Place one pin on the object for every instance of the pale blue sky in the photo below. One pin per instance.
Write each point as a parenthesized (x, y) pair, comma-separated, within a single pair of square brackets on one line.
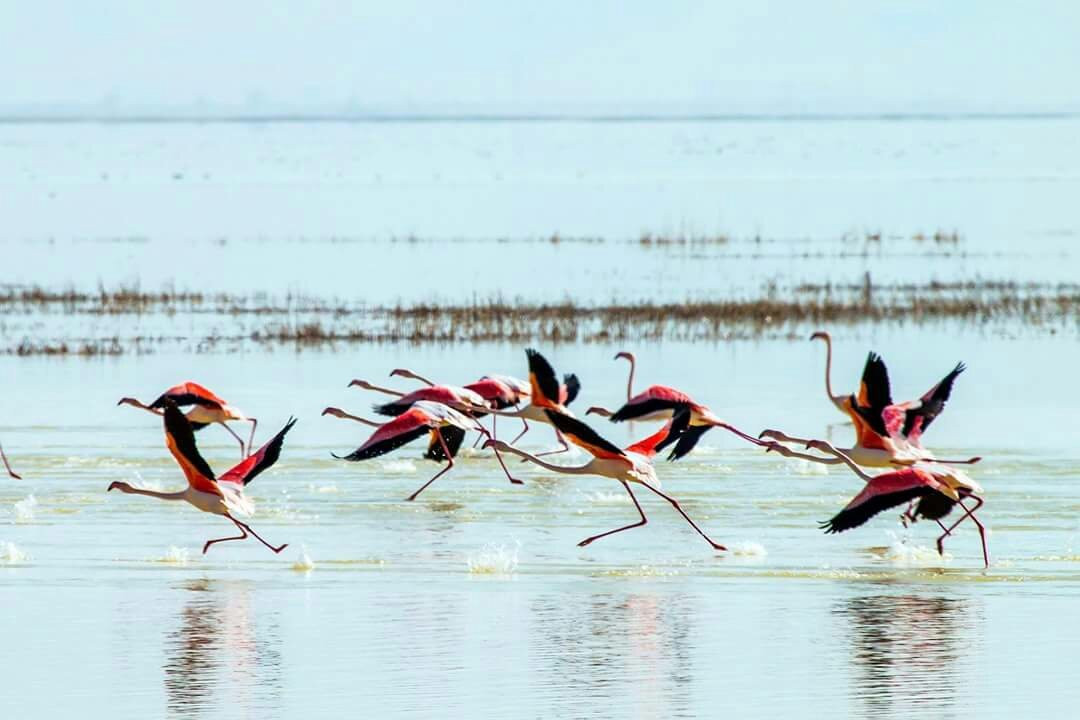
[(797, 56)]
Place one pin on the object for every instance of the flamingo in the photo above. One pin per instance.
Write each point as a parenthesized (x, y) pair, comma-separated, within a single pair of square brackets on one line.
[(452, 435), (208, 409), (500, 391), (660, 402), (839, 401), (222, 495), (886, 434), (936, 488), (422, 418), (632, 465), (546, 393), (10, 472)]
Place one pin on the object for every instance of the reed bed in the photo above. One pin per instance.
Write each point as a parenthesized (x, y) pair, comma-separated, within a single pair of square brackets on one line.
[(234, 321)]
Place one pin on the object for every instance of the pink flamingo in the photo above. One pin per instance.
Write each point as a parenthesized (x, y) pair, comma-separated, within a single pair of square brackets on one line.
[(220, 496), (935, 489), (886, 434), (546, 393), (7, 466), (660, 402), (632, 465), (208, 409), (422, 418)]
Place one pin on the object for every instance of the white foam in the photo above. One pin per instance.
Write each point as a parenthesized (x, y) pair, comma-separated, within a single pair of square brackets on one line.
[(303, 563), (903, 553), (10, 554), (24, 509), (747, 549), (175, 556), (798, 466), (398, 467), (493, 559), (608, 498)]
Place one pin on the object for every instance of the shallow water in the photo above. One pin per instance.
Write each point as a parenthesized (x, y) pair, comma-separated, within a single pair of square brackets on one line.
[(474, 600)]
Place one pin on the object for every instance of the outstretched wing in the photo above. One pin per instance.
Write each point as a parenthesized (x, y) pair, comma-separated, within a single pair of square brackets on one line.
[(584, 436), (653, 399), (650, 445), (189, 393), (874, 394), (930, 405), (545, 386), (180, 439), (881, 493), (400, 431), (250, 467)]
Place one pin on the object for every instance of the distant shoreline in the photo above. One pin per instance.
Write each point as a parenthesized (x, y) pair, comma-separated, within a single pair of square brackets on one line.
[(72, 118)]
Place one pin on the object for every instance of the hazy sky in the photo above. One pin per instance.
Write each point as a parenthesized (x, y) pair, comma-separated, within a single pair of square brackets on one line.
[(746, 56)]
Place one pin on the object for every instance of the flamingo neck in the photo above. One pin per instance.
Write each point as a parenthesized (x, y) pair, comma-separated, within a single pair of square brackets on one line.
[(414, 376), (630, 379), (573, 470), (180, 495), (385, 391), (849, 462), (828, 367), (135, 403)]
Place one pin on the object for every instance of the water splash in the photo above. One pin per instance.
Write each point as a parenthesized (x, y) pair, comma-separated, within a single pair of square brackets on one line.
[(398, 467), (11, 554), (175, 556), (748, 549), (902, 553), (494, 559), (303, 562), (24, 509), (608, 498), (797, 466)]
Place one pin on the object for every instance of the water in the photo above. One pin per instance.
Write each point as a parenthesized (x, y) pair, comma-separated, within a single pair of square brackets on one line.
[(475, 600)]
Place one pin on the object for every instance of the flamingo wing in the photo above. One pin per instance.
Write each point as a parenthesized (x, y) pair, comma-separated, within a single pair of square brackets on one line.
[(650, 445), (189, 393), (454, 437), (569, 390), (584, 436), (180, 439), (653, 399), (918, 417), (885, 491), (400, 431), (875, 395), (544, 384), (494, 391), (249, 468)]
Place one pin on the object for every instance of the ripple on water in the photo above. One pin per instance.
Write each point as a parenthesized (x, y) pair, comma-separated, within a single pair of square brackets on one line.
[(174, 556)]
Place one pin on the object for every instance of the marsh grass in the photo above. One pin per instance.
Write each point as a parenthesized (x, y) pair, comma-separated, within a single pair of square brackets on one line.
[(308, 322)]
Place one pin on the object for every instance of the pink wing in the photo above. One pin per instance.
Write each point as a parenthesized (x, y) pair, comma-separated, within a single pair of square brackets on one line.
[(647, 447), (247, 469)]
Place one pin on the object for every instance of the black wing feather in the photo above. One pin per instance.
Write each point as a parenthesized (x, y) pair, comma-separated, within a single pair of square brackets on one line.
[(935, 403), (679, 424), (388, 445), (573, 426), (573, 387), (631, 411), (270, 452), (687, 441), (453, 435), (545, 375), (391, 409), (180, 429), (183, 400), (858, 515)]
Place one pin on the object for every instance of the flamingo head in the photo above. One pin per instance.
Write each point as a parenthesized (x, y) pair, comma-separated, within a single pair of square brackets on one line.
[(597, 410), (402, 372), (129, 401), (625, 355), (360, 383), (336, 412), (821, 335), (117, 485), (494, 444)]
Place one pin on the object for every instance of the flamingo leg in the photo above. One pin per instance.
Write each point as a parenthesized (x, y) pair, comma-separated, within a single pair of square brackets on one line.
[(523, 431), (238, 438), (11, 472), (675, 504), (449, 464), (562, 441), (968, 513), (641, 512), (498, 457), (749, 438), (242, 536), (251, 438), (247, 528)]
